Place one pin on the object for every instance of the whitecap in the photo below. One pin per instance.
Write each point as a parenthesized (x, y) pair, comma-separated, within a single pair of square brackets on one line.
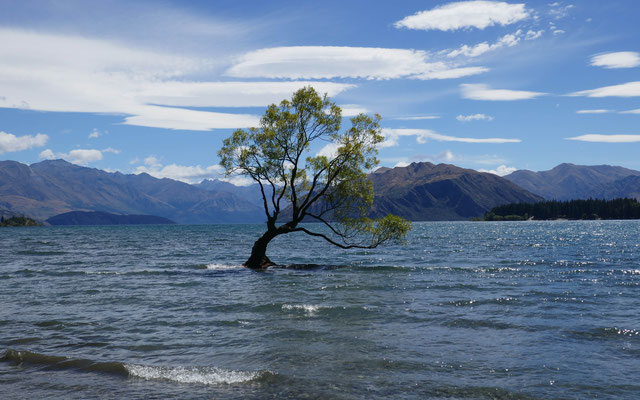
[(221, 267), (201, 375), (309, 309)]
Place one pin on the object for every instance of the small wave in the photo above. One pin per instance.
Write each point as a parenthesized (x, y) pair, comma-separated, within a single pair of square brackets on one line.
[(218, 267), (612, 332), (309, 309), (473, 303), (200, 375)]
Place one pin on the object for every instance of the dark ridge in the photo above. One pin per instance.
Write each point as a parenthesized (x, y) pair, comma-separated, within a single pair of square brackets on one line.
[(103, 218), (16, 357)]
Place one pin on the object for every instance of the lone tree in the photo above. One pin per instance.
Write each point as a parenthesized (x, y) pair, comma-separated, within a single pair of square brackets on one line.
[(330, 188)]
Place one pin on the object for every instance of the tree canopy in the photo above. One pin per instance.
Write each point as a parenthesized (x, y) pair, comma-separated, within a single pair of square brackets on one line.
[(330, 188)]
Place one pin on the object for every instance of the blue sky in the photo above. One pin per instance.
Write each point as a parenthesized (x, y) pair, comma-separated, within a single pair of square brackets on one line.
[(156, 86)]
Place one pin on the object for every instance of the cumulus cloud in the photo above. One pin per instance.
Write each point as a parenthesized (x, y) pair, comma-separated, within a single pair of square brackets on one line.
[(474, 117), (532, 35), (484, 92), (597, 111), (621, 59), (188, 173), (508, 40), (392, 137), (558, 10), (465, 14), (10, 142), (629, 89), (95, 134), (502, 170), (326, 62), (76, 156), (595, 138), (49, 72), (330, 150)]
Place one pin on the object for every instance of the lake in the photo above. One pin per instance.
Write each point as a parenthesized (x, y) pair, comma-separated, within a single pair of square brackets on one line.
[(489, 310)]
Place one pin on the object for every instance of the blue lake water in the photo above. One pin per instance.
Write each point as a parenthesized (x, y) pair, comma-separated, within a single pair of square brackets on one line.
[(519, 310)]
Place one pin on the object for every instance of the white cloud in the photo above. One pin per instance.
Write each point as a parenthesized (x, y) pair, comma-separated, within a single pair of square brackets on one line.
[(629, 89), (392, 137), (351, 110), (229, 94), (417, 118), (111, 150), (76, 156), (10, 142), (330, 150), (502, 170), (188, 173), (621, 59), (558, 32), (465, 14), (326, 62), (49, 72), (559, 11), (607, 138), (180, 118), (598, 111), (636, 111), (474, 117), (508, 40), (532, 35), (483, 92), (184, 173), (95, 134)]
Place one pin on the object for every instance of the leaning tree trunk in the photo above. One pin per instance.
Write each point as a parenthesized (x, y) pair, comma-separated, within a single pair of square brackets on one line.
[(259, 259)]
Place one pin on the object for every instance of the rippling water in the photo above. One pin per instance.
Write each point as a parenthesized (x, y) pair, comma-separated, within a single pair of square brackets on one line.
[(519, 310)]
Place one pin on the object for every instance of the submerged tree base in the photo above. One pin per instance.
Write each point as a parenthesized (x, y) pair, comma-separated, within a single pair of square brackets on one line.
[(259, 263)]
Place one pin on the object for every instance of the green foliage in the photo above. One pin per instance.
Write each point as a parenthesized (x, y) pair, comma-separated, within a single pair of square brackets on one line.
[(331, 187), (574, 209), (18, 221)]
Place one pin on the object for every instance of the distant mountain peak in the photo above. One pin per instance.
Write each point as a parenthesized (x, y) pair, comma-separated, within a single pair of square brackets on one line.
[(569, 181)]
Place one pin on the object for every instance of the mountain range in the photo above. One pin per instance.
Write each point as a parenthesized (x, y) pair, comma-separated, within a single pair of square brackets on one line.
[(572, 182), (427, 192), (48, 188), (420, 191)]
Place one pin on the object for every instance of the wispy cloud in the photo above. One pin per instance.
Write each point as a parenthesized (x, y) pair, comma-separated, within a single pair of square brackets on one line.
[(327, 62), (559, 10), (629, 89), (596, 138), (351, 110), (621, 59), (10, 142), (636, 111), (484, 92), (417, 118), (50, 72), (597, 111), (508, 40), (465, 14), (392, 137), (474, 117)]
